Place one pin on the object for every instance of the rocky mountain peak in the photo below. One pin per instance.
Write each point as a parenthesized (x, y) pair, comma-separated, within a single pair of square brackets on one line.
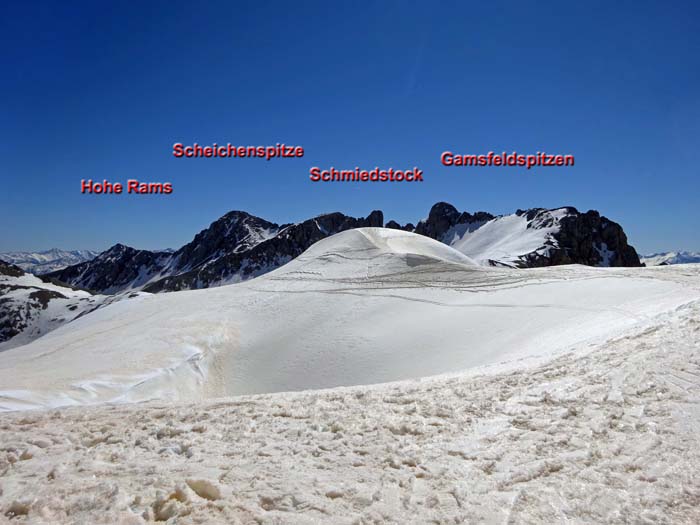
[(441, 218), (235, 231), (10, 270), (589, 238), (116, 249), (240, 246)]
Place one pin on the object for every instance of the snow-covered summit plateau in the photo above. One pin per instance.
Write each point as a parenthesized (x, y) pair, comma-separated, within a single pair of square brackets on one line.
[(368, 305), (563, 394)]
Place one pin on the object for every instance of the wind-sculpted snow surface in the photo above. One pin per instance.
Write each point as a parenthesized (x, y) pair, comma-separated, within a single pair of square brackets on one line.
[(365, 306), (602, 434)]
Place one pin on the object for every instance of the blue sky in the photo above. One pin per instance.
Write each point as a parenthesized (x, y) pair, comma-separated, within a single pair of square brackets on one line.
[(102, 92)]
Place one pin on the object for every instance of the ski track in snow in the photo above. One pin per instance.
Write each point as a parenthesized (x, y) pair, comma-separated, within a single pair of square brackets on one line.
[(611, 435), (567, 395), (365, 306)]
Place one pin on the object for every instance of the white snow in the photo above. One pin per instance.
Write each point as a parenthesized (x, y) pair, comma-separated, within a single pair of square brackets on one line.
[(364, 306), (18, 303), (48, 260), (505, 239), (607, 434), (564, 395)]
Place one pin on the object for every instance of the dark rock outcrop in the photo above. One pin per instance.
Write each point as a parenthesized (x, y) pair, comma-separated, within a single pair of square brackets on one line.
[(441, 218), (578, 238), (240, 246), (236, 247), (118, 268), (10, 270), (290, 242), (236, 231), (585, 238), (444, 216), (393, 225)]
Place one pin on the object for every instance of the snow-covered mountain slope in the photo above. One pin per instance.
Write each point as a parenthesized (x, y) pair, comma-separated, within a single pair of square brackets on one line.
[(236, 247), (119, 269), (531, 238), (31, 306), (272, 248), (508, 239), (240, 246), (365, 306), (47, 261), (663, 258)]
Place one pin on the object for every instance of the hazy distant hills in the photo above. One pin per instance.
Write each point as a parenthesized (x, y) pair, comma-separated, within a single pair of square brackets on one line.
[(47, 261), (664, 258)]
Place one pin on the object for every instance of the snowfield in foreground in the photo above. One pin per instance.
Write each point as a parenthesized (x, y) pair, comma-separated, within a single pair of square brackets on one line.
[(609, 434), (558, 395)]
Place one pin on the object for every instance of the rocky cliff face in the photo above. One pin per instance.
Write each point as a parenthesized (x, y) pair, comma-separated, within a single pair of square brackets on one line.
[(117, 269), (268, 253), (10, 270), (235, 232), (443, 217), (12, 319), (240, 246), (531, 238), (393, 225), (591, 239), (236, 247)]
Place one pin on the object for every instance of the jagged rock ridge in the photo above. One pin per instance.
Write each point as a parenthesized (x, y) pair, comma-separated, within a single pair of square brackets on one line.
[(236, 247), (240, 246), (531, 238)]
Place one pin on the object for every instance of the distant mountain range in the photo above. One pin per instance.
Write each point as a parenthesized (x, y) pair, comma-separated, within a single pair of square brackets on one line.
[(664, 258), (240, 246), (47, 261)]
